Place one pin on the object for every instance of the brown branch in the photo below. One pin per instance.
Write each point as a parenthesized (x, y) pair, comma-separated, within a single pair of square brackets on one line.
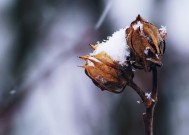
[(138, 90), (148, 120), (148, 102), (155, 84), (148, 116)]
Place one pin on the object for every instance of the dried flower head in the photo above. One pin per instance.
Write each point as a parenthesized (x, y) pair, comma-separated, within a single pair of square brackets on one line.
[(107, 66), (146, 42), (112, 63), (105, 73)]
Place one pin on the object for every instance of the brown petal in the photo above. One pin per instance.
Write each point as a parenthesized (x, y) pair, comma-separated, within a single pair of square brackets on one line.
[(93, 46), (146, 37), (129, 32), (152, 32), (104, 77), (137, 43), (104, 58)]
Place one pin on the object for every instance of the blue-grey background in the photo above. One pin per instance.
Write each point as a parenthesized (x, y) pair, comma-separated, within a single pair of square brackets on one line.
[(43, 92)]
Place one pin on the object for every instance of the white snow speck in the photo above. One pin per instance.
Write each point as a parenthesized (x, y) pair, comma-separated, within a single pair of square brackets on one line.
[(138, 102), (163, 30), (162, 33), (157, 56), (138, 25), (146, 51), (148, 95), (89, 63), (12, 92), (133, 70), (102, 80), (115, 47)]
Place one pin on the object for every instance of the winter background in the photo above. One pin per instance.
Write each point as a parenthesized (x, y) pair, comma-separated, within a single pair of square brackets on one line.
[(43, 92)]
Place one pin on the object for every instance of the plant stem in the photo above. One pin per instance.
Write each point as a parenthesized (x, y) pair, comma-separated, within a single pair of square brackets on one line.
[(155, 84), (138, 90), (148, 116), (148, 120), (148, 102)]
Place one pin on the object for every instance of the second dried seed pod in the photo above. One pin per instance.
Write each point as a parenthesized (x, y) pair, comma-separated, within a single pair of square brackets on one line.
[(146, 43)]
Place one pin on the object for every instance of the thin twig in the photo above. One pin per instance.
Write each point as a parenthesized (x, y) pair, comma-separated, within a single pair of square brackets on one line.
[(148, 120), (148, 116), (155, 84), (148, 102), (138, 90)]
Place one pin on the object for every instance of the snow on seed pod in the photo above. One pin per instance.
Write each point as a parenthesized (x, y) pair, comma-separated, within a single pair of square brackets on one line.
[(146, 42), (111, 64), (107, 66)]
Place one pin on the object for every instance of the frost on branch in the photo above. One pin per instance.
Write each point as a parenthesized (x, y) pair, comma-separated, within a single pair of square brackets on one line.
[(148, 95)]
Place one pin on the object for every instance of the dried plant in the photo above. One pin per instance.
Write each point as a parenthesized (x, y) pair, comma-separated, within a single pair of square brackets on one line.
[(112, 64)]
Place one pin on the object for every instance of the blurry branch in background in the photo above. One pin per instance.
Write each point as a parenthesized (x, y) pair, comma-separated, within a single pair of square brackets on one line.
[(103, 15), (18, 92), (25, 20), (27, 17)]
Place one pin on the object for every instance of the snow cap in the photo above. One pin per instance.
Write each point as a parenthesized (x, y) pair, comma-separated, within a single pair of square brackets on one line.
[(115, 46)]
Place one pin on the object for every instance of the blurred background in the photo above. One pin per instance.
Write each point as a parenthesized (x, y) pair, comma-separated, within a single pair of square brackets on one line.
[(43, 92)]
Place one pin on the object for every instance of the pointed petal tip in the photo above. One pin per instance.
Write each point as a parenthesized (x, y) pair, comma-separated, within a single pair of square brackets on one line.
[(81, 66), (93, 46), (84, 57), (139, 18)]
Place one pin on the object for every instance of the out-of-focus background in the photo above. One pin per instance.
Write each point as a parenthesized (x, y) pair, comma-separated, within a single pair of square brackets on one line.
[(43, 92)]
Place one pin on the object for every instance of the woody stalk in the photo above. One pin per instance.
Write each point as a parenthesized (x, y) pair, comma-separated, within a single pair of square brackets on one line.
[(111, 65)]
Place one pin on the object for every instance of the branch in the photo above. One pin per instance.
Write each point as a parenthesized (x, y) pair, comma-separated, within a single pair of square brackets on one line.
[(155, 84), (138, 90), (148, 102), (148, 116)]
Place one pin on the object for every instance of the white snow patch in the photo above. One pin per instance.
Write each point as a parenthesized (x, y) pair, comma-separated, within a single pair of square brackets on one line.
[(163, 30), (148, 95), (157, 56), (94, 59), (162, 33), (90, 63), (146, 51), (138, 25), (138, 102), (115, 47)]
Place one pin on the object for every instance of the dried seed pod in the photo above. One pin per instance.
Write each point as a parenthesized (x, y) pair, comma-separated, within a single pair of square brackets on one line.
[(111, 64), (106, 73), (107, 66), (146, 43)]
